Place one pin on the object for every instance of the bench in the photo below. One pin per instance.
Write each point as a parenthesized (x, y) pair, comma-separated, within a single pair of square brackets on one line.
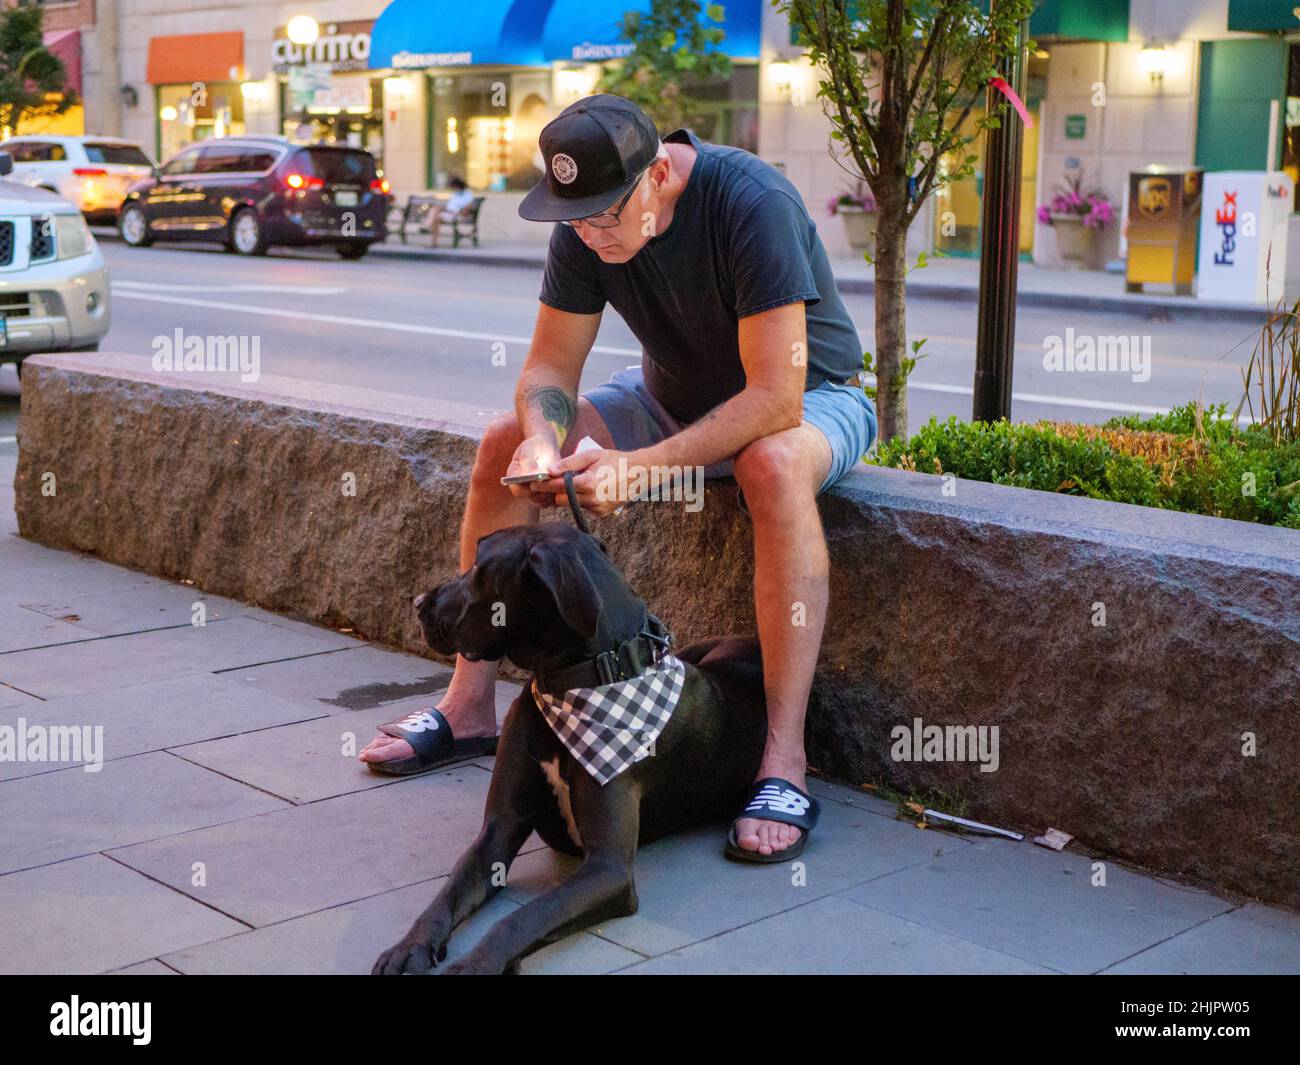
[(419, 210)]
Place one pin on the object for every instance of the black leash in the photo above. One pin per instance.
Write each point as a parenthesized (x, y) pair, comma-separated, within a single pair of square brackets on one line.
[(579, 518)]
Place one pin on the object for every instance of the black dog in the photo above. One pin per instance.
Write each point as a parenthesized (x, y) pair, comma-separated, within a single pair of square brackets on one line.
[(548, 597)]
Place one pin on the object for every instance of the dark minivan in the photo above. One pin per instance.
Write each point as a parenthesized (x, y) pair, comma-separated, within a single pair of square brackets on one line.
[(254, 192)]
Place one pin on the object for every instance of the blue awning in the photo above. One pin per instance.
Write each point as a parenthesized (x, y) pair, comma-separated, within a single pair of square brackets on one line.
[(589, 31), (413, 34)]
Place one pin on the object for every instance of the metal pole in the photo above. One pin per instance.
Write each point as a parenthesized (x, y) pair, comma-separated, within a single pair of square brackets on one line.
[(995, 335)]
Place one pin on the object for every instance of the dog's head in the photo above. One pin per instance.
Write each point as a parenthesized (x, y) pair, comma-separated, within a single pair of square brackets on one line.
[(537, 594)]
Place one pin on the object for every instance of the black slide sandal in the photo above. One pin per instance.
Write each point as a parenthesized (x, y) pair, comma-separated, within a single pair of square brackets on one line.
[(775, 799), (429, 734)]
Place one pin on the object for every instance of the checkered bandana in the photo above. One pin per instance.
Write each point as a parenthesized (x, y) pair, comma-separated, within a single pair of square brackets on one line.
[(610, 728)]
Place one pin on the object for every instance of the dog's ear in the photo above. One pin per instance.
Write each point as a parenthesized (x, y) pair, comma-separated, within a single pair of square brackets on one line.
[(562, 574)]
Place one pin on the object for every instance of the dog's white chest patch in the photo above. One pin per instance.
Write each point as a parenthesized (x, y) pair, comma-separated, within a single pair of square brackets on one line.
[(561, 790)]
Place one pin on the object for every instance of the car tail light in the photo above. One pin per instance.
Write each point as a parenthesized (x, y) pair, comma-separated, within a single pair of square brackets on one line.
[(87, 171), (304, 181), (380, 185)]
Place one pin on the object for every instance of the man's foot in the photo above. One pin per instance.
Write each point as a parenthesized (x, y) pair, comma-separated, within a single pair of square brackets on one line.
[(467, 721), (770, 837)]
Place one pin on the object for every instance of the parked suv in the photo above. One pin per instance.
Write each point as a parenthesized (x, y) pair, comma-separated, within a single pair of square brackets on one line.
[(255, 192), (92, 172), (53, 281)]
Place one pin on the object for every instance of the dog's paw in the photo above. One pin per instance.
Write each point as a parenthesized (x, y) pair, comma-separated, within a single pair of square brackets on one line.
[(473, 964), (408, 958)]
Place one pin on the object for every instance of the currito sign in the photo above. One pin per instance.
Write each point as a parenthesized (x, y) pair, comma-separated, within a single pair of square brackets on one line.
[(341, 47), (1243, 236)]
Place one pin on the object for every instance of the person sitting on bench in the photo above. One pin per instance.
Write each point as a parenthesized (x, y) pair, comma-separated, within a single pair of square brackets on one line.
[(461, 197)]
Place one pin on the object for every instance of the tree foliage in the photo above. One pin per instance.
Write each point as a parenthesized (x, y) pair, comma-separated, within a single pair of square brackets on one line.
[(900, 82), (675, 57), (33, 81)]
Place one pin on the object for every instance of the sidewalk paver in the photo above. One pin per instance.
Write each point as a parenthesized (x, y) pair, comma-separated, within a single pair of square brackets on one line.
[(1039, 905), (688, 891), (347, 939), (1253, 939), (119, 661), (91, 914), (228, 831), (54, 816), (834, 936), (162, 714), (314, 759), (305, 858)]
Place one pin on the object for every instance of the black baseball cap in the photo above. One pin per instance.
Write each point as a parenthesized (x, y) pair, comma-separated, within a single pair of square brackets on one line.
[(595, 150)]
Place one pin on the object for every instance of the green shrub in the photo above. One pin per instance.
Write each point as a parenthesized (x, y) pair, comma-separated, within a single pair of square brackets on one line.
[(1192, 459)]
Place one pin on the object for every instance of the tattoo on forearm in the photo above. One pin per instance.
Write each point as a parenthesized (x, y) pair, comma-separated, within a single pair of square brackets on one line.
[(557, 407)]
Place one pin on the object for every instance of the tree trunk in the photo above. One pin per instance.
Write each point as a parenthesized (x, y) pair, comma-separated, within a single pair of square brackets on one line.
[(891, 318)]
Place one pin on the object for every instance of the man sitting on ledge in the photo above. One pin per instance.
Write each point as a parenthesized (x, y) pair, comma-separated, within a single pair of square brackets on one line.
[(749, 370)]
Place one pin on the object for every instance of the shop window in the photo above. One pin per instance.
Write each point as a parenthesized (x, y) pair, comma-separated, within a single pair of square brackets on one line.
[(727, 110), (485, 127), (349, 113), (187, 115)]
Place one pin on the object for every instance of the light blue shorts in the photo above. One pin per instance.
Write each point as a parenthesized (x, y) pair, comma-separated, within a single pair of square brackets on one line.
[(843, 414)]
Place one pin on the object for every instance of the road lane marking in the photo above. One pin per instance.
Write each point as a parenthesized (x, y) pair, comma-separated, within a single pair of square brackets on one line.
[(463, 334), (364, 323), (297, 290)]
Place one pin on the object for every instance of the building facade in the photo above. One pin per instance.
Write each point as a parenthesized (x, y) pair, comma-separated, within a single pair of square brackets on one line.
[(443, 88)]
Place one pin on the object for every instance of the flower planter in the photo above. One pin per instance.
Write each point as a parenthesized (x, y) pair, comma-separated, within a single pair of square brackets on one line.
[(860, 228), (1074, 240)]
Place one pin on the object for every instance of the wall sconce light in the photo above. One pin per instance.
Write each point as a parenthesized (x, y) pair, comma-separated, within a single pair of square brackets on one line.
[(1154, 60), (782, 74), (395, 87), (303, 29), (129, 96), (253, 92), (168, 113)]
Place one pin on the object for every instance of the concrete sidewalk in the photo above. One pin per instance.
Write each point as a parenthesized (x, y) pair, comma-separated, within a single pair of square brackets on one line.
[(230, 828)]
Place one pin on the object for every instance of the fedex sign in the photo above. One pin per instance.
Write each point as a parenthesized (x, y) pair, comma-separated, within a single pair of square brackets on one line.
[(1226, 219), (1242, 257)]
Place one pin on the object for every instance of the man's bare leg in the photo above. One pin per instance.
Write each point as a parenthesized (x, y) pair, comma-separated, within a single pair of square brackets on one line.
[(470, 703), (779, 475)]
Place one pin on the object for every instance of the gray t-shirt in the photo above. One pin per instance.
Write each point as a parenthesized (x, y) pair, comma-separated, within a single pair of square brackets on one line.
[(740, 242)]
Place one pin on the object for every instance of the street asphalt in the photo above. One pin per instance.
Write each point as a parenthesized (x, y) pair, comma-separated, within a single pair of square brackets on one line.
[(461, 332)]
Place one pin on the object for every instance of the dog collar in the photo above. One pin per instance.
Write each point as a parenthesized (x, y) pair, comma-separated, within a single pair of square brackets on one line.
[(611, 727), (629, 659)]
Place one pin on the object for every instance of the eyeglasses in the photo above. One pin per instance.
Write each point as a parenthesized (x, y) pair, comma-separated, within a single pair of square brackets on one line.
[(604, 220)]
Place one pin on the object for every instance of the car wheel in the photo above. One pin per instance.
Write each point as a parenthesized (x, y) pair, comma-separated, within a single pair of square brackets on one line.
[(246, 237), (353, 251), (134, 227)]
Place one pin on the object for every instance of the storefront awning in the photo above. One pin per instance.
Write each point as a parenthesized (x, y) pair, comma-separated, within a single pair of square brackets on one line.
[(412, 34), (196, 57), (1262, 15), (1081, 20), (591, 30), (65, 45)]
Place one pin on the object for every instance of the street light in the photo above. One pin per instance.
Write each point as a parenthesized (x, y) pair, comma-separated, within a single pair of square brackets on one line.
[(303, 29)]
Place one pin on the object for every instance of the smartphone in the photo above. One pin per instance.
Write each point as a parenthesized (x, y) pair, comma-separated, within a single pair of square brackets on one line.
[(526, 478)]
